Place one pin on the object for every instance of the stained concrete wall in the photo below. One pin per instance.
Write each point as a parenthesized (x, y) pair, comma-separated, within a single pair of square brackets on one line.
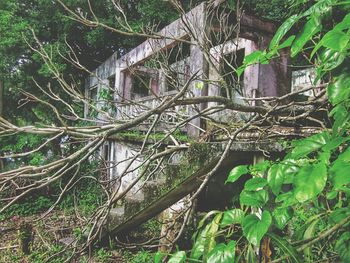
[(259, 80), (121, 161)]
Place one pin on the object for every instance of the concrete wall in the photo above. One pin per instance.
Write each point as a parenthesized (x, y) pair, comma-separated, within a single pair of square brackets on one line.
[(259, 80), (121, 160)]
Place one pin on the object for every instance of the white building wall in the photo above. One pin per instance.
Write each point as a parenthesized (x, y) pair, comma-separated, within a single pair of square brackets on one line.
[(125, 168)]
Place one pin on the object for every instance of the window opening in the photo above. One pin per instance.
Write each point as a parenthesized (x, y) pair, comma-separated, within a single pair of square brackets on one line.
[(111, 82), (140, 86), (230, 62)]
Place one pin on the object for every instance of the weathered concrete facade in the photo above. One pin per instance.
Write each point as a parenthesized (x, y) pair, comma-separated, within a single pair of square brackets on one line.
[(188, 36)]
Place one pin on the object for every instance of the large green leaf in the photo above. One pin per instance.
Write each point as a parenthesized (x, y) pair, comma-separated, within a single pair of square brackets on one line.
[(310, 181), (303, 147), (254, 198), (287, 198), (178, 257), (236, 173), (287, 249), (339, 90), (344, 24), (278, 174), (335, 40), (341, 116), (254, 229), (312, 27), (328, 60), (340, 170), (281, 216), (223, 253), (233, 216), (334, 143), (282, 30), (255, 183)]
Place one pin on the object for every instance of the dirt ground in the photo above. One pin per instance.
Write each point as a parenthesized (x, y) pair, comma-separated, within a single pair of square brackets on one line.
[(44, 237)]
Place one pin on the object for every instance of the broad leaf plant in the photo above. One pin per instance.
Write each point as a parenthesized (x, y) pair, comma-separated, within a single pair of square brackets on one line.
[(295, 209)]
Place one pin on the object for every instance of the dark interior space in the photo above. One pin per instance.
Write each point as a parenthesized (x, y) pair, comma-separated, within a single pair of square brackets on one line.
[(217, 195)]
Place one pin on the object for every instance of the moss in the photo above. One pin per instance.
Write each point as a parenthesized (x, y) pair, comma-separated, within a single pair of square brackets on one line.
[(197, 156), (138, 137)]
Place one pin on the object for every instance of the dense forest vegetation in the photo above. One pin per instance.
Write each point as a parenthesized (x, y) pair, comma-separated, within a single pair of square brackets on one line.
[(299, 203)]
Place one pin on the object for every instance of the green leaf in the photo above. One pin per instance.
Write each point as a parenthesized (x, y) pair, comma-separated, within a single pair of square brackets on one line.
[(345, 155), (332, 194), (310, 181), (158, 257), (236, 173), (275, 178), (223, 253), (287, 43), (339, 90), (178, 257), (206, 239), (251, 255), (199, 85), (254, 57), (260, 167), (209, 214), (240, 70), (335, 40), (284, 197), (286, 248), (281, 216), (339, 173), (254, 198), (334, 143), (279, 173), (282, 30), (254, 229), (328, 60), (344, 24), (321, 7), (303, 147), (255, 183), (343, 247), (339, 214), (309, 233), (312, 27), (341, 116), (233, 216)]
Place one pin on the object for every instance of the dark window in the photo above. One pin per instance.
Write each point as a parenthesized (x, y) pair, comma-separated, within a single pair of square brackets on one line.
[(234, 84), (111, 82), (140, 86), (93, 94)]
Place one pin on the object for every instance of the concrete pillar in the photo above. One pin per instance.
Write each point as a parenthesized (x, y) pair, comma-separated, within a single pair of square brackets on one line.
[(199, 66)]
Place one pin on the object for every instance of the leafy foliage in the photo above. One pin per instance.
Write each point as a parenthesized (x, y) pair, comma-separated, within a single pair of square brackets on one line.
[(305, 195)]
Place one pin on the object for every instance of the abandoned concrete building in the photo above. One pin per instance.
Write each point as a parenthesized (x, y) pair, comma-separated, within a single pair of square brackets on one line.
[(154, 71)]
